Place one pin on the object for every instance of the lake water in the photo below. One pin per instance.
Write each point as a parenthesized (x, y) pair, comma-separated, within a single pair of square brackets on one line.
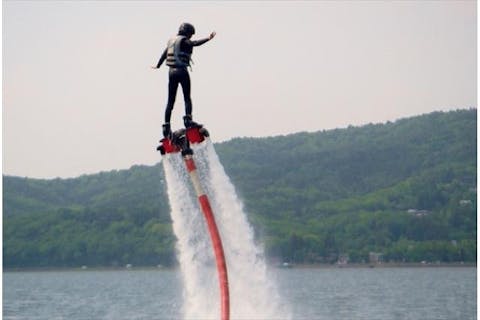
[(330, 294)]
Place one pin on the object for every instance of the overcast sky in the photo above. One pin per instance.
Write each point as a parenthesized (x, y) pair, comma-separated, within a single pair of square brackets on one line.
[(79, 95)]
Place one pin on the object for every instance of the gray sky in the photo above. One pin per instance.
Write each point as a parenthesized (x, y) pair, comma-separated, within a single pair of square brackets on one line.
[(79, 95)]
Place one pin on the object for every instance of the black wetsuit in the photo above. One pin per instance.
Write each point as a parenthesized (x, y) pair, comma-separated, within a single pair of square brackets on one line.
[(179, 75)]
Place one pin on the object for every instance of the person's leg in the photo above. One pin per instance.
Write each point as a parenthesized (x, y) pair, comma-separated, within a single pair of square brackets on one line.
[(172, 92), (186, 87)]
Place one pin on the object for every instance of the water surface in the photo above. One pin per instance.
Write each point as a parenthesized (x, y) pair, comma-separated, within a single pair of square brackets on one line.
[(380, 293)]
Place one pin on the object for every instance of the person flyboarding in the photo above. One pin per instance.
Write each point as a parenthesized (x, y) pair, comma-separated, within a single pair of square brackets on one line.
[(178, 56)]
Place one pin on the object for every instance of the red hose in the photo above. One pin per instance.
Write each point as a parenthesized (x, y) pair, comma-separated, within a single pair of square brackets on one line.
[(215, 237)]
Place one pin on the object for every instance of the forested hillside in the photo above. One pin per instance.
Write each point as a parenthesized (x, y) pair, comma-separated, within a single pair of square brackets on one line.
[(404, 189)]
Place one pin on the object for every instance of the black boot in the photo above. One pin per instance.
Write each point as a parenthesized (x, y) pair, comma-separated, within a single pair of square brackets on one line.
[(189, 123), (167, 132)]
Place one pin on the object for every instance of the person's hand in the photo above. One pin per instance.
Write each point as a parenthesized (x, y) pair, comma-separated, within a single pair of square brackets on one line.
[(155, 67), (212, 35)]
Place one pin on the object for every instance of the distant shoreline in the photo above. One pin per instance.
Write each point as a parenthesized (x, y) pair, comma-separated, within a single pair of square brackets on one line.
[(387, 265), (289, 266)]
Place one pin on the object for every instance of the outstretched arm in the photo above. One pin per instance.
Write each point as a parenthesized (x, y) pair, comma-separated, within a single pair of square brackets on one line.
[(162, 58), (196, 43)]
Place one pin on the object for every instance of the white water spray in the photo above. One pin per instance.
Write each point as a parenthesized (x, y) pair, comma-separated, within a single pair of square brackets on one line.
[(253, 294)]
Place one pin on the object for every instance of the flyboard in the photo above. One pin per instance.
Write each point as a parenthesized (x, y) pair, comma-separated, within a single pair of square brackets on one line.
[(179, 142)]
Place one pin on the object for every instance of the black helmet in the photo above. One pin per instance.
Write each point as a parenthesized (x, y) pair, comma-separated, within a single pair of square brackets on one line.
[(186, 29)]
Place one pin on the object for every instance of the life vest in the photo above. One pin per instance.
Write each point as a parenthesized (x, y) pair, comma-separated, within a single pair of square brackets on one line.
[(175, 56)]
